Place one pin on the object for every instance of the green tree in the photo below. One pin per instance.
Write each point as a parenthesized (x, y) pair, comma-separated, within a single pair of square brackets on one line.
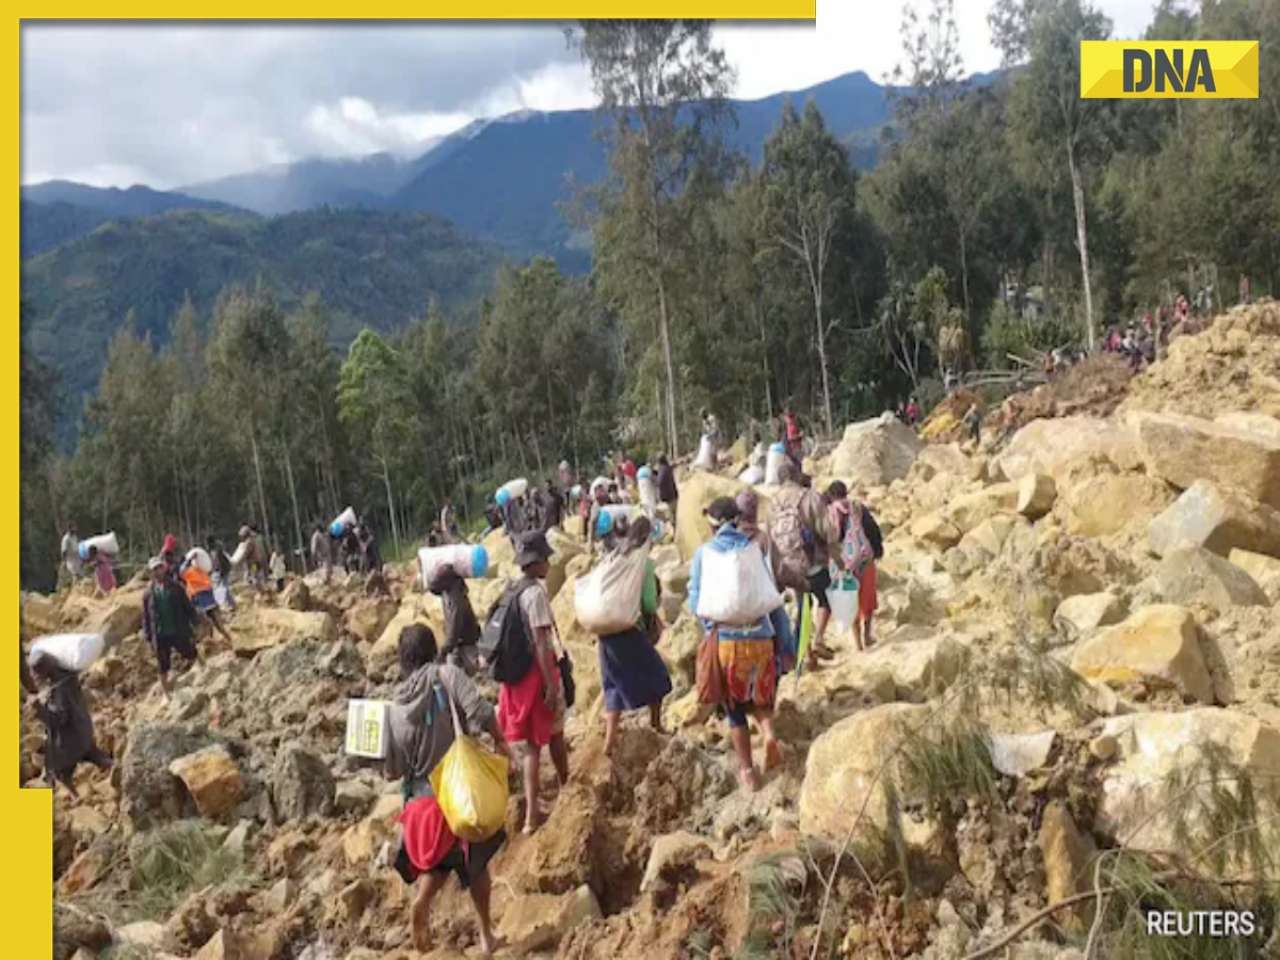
[(809, 199), (376, 405), (1045, 35), (664, 83)]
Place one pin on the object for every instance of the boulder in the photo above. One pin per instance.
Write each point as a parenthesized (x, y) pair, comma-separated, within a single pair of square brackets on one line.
[(369, 617), (670, 853), (90, 868), (967, 511), (498, 545), (679, 649), (145, 936), (1036, 494), (212, 778), (40, 614), (149, 794), (944, 458), (1194, 575), (1018, 754), (1112, 502), (117, 617), (296, 595), (1258, 423), (301, 784), (842, 767), (1217, 518), (696, 494), (352, 796), (1158, 645), (1264, 570), (361, 842), (1067, 852), (1134, 800), (564, 549), (1081, 616), (936, 529), (919, 668), (1046, 446), (75, 928), (1183, 450), (535, 922), (223, 945), (988, 537), (264, 627), (875, 452)]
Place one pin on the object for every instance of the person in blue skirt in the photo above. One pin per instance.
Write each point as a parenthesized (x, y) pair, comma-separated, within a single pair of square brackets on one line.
[(632, 673)]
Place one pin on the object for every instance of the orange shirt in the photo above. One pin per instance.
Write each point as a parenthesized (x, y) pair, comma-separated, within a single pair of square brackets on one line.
[(197, 580)]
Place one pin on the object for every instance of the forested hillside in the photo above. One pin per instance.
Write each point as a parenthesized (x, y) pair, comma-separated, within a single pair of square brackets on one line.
[(369, 268)]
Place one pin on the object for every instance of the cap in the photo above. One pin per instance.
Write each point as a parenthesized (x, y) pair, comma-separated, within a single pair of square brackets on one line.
[(155, 563), (533, 547)]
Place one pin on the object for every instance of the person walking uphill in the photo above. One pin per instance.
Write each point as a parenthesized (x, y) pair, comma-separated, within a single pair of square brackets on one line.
[(199, 587), (860, 547), (421, 732), (167, 620), (69, 736), (71, 561), (518, 643), (461, 629), (632, 673), (800, 533), (745, 654), (322, 552)]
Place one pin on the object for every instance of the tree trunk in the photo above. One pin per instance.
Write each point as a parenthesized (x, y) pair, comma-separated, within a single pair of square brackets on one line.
[(293, 497), (964, 283), (673, 441), (257, 470), (822, 350), (391, 508), (1082, 239)]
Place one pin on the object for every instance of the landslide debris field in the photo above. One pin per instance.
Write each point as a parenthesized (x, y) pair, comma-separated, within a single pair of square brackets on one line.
[(1075, 694)]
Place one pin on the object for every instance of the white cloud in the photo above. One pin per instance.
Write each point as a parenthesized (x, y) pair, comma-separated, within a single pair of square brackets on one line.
[(173, 104)]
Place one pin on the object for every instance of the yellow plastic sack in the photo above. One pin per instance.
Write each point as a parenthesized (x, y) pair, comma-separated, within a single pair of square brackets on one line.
[(470, 785)]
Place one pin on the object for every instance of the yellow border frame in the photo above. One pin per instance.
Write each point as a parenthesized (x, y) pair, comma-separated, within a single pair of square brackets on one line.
[(26, 890)]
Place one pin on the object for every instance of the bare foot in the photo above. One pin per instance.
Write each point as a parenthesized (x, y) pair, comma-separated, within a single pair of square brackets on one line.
[(749, 777), (489, 943), (422, 934)]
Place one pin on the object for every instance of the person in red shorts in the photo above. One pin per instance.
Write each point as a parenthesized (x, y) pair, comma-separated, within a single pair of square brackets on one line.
[(532, 710)]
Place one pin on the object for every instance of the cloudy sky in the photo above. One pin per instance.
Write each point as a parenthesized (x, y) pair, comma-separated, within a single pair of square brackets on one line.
[(168, 105)]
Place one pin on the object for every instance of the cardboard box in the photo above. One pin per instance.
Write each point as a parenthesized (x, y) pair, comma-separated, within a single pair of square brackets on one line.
[(367, 728)]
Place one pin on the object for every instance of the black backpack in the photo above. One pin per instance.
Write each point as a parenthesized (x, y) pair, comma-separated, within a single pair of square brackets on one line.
[(504, 641)]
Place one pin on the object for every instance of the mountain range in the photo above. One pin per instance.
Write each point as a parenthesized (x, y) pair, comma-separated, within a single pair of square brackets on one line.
[(369, 234)]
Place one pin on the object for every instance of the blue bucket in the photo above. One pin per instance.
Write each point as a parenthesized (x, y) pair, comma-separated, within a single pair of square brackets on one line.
[(83, 550), (502, 498), (336, 529), (778, 447), (644, 473), (479, 561)]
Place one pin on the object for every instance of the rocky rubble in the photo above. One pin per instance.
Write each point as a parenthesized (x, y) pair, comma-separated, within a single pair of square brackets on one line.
[(1077, 621)]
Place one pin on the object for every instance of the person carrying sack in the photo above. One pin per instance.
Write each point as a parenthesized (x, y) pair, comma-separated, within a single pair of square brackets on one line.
[(861, 545), (737, 666), (632, 674), (433, 705)]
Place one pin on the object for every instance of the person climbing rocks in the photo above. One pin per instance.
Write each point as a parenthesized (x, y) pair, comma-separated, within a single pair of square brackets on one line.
[(461, 628), (322, 551), (71, 561), (668, 492), (632, 674), (69, 735), (421, 731), (103, 572), (745, 654), (532, 709), (800, 533), (167, 620), (845, 511)]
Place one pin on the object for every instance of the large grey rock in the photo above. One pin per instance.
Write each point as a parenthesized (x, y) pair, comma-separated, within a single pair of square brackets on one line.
[(1158, 645), (1217, 518), (1183, 450), (301, 784), (1194, 575), (149, 794), (1048, 445), (1081, 616), (875, 452)]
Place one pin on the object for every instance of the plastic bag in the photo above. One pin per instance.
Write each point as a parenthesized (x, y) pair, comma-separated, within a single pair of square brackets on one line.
[(776, 457), (71, 651), (607, 600), (470, 784), (199, 557), (752, 476), (737, 586), (843, 597), (706, 458)]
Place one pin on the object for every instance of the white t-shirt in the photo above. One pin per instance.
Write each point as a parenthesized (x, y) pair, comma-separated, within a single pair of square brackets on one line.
[(536, 607)]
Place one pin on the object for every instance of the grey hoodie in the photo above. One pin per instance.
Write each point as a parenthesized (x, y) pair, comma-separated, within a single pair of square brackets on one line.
[(420, 725)]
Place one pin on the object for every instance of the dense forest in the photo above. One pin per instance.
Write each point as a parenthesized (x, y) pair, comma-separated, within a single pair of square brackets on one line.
[(1003, 218)]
